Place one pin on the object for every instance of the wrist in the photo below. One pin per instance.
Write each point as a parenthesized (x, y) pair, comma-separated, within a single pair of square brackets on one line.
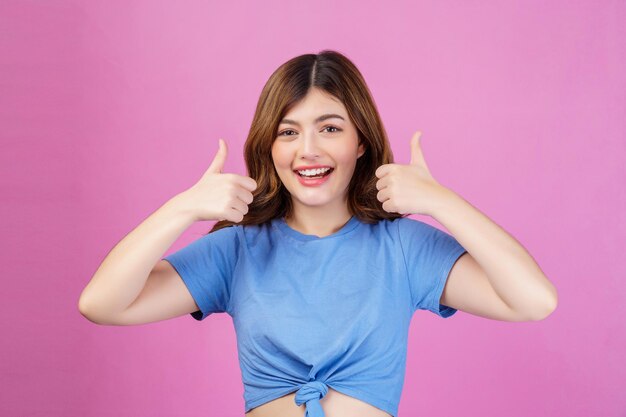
[(444, 198), (179, 207)]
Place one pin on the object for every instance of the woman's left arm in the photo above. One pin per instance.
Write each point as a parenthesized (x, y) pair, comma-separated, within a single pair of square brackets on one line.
[(511, 270), (497, 278)]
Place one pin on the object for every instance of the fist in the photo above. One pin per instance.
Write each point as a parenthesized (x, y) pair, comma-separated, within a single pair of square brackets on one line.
[(220, 196), (408, 189)]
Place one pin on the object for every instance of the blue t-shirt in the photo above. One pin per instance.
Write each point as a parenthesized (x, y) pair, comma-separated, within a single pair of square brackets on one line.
[(311, 313)]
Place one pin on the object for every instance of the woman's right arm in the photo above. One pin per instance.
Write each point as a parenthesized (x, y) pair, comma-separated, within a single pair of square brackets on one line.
[(133, 285), (124, 272)]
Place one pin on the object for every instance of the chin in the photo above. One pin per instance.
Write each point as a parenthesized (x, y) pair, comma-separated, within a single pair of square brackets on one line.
[(313, 200), (313, 196)]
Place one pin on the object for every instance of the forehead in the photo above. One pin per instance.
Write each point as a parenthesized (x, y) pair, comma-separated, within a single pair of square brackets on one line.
[(315, 103)]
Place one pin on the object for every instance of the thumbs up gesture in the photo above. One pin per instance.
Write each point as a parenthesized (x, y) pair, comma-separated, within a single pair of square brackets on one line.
[(220, 196), (409, 189)]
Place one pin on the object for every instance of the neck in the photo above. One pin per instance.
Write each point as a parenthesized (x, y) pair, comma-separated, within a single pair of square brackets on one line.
[(318, 221)]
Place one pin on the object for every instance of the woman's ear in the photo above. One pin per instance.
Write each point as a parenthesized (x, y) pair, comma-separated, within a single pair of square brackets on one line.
[(361, 149)]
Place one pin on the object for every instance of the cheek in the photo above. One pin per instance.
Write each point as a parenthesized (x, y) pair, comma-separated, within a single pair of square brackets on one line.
[(280, 158), (347, 157), (276, 156)]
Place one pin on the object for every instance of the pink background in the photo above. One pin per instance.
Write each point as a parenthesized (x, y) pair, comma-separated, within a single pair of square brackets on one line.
[(108, 109)]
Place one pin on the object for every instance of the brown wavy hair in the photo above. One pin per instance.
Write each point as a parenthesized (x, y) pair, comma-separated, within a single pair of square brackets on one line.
[(335, 74)]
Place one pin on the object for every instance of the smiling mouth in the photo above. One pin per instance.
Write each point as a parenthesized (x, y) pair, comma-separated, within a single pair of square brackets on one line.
[(316, 176)]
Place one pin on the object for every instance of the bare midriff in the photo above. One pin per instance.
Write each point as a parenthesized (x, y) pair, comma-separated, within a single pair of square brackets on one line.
[(334, 403)]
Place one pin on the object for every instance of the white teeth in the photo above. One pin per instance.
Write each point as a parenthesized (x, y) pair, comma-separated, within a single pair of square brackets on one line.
[(313, 172)]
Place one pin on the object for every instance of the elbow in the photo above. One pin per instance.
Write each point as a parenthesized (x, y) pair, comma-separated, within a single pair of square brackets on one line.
[(547, 308), (88, 312), (82, 306), (83, 309)]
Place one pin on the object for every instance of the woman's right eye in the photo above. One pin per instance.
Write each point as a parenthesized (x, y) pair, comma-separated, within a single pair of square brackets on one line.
[(285, 131)]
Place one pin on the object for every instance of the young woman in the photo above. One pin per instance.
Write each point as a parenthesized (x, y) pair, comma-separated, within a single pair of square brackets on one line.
[(313, 256)]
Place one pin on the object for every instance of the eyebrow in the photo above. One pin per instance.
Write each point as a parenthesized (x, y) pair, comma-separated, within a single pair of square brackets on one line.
[(319, 119)]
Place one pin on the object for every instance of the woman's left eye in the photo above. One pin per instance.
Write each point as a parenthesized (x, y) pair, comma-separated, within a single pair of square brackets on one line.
[(333, 127)]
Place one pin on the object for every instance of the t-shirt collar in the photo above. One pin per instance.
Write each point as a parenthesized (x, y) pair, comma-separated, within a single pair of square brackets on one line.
[(286, 229)]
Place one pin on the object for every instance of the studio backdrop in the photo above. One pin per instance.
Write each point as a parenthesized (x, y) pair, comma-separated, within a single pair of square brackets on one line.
[(110, 108)]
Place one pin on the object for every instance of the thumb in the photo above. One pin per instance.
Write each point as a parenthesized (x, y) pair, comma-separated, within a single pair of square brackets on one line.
[(218, 160), (417, 157)]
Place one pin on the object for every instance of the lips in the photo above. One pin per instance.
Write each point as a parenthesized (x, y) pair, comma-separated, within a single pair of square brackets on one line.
[(313, 182)]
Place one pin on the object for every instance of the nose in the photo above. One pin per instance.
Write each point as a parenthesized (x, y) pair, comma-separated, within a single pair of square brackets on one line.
[(309, 146)]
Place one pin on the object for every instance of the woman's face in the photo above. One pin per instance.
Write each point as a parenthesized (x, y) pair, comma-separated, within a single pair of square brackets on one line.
[(317, 133)]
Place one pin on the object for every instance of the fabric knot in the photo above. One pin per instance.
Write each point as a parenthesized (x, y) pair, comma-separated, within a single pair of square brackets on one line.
[(311, 393)]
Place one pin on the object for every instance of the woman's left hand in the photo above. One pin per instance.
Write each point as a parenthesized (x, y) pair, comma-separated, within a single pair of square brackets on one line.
[(409, 189)]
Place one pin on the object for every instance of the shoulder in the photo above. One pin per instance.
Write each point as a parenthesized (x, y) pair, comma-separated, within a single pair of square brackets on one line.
[(408, 233), (402, 225), (407, 226), (226, 238), (386, 229), (253, 234)]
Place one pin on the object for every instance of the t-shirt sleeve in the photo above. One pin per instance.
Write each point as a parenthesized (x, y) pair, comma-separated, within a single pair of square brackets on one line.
[(429, 254), (206, 267)]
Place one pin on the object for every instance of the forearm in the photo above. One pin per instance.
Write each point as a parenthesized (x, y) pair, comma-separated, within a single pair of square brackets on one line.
[(123, 274), (511, 270)]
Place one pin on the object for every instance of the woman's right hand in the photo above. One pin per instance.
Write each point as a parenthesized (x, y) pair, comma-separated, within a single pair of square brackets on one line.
[(218, 196)]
